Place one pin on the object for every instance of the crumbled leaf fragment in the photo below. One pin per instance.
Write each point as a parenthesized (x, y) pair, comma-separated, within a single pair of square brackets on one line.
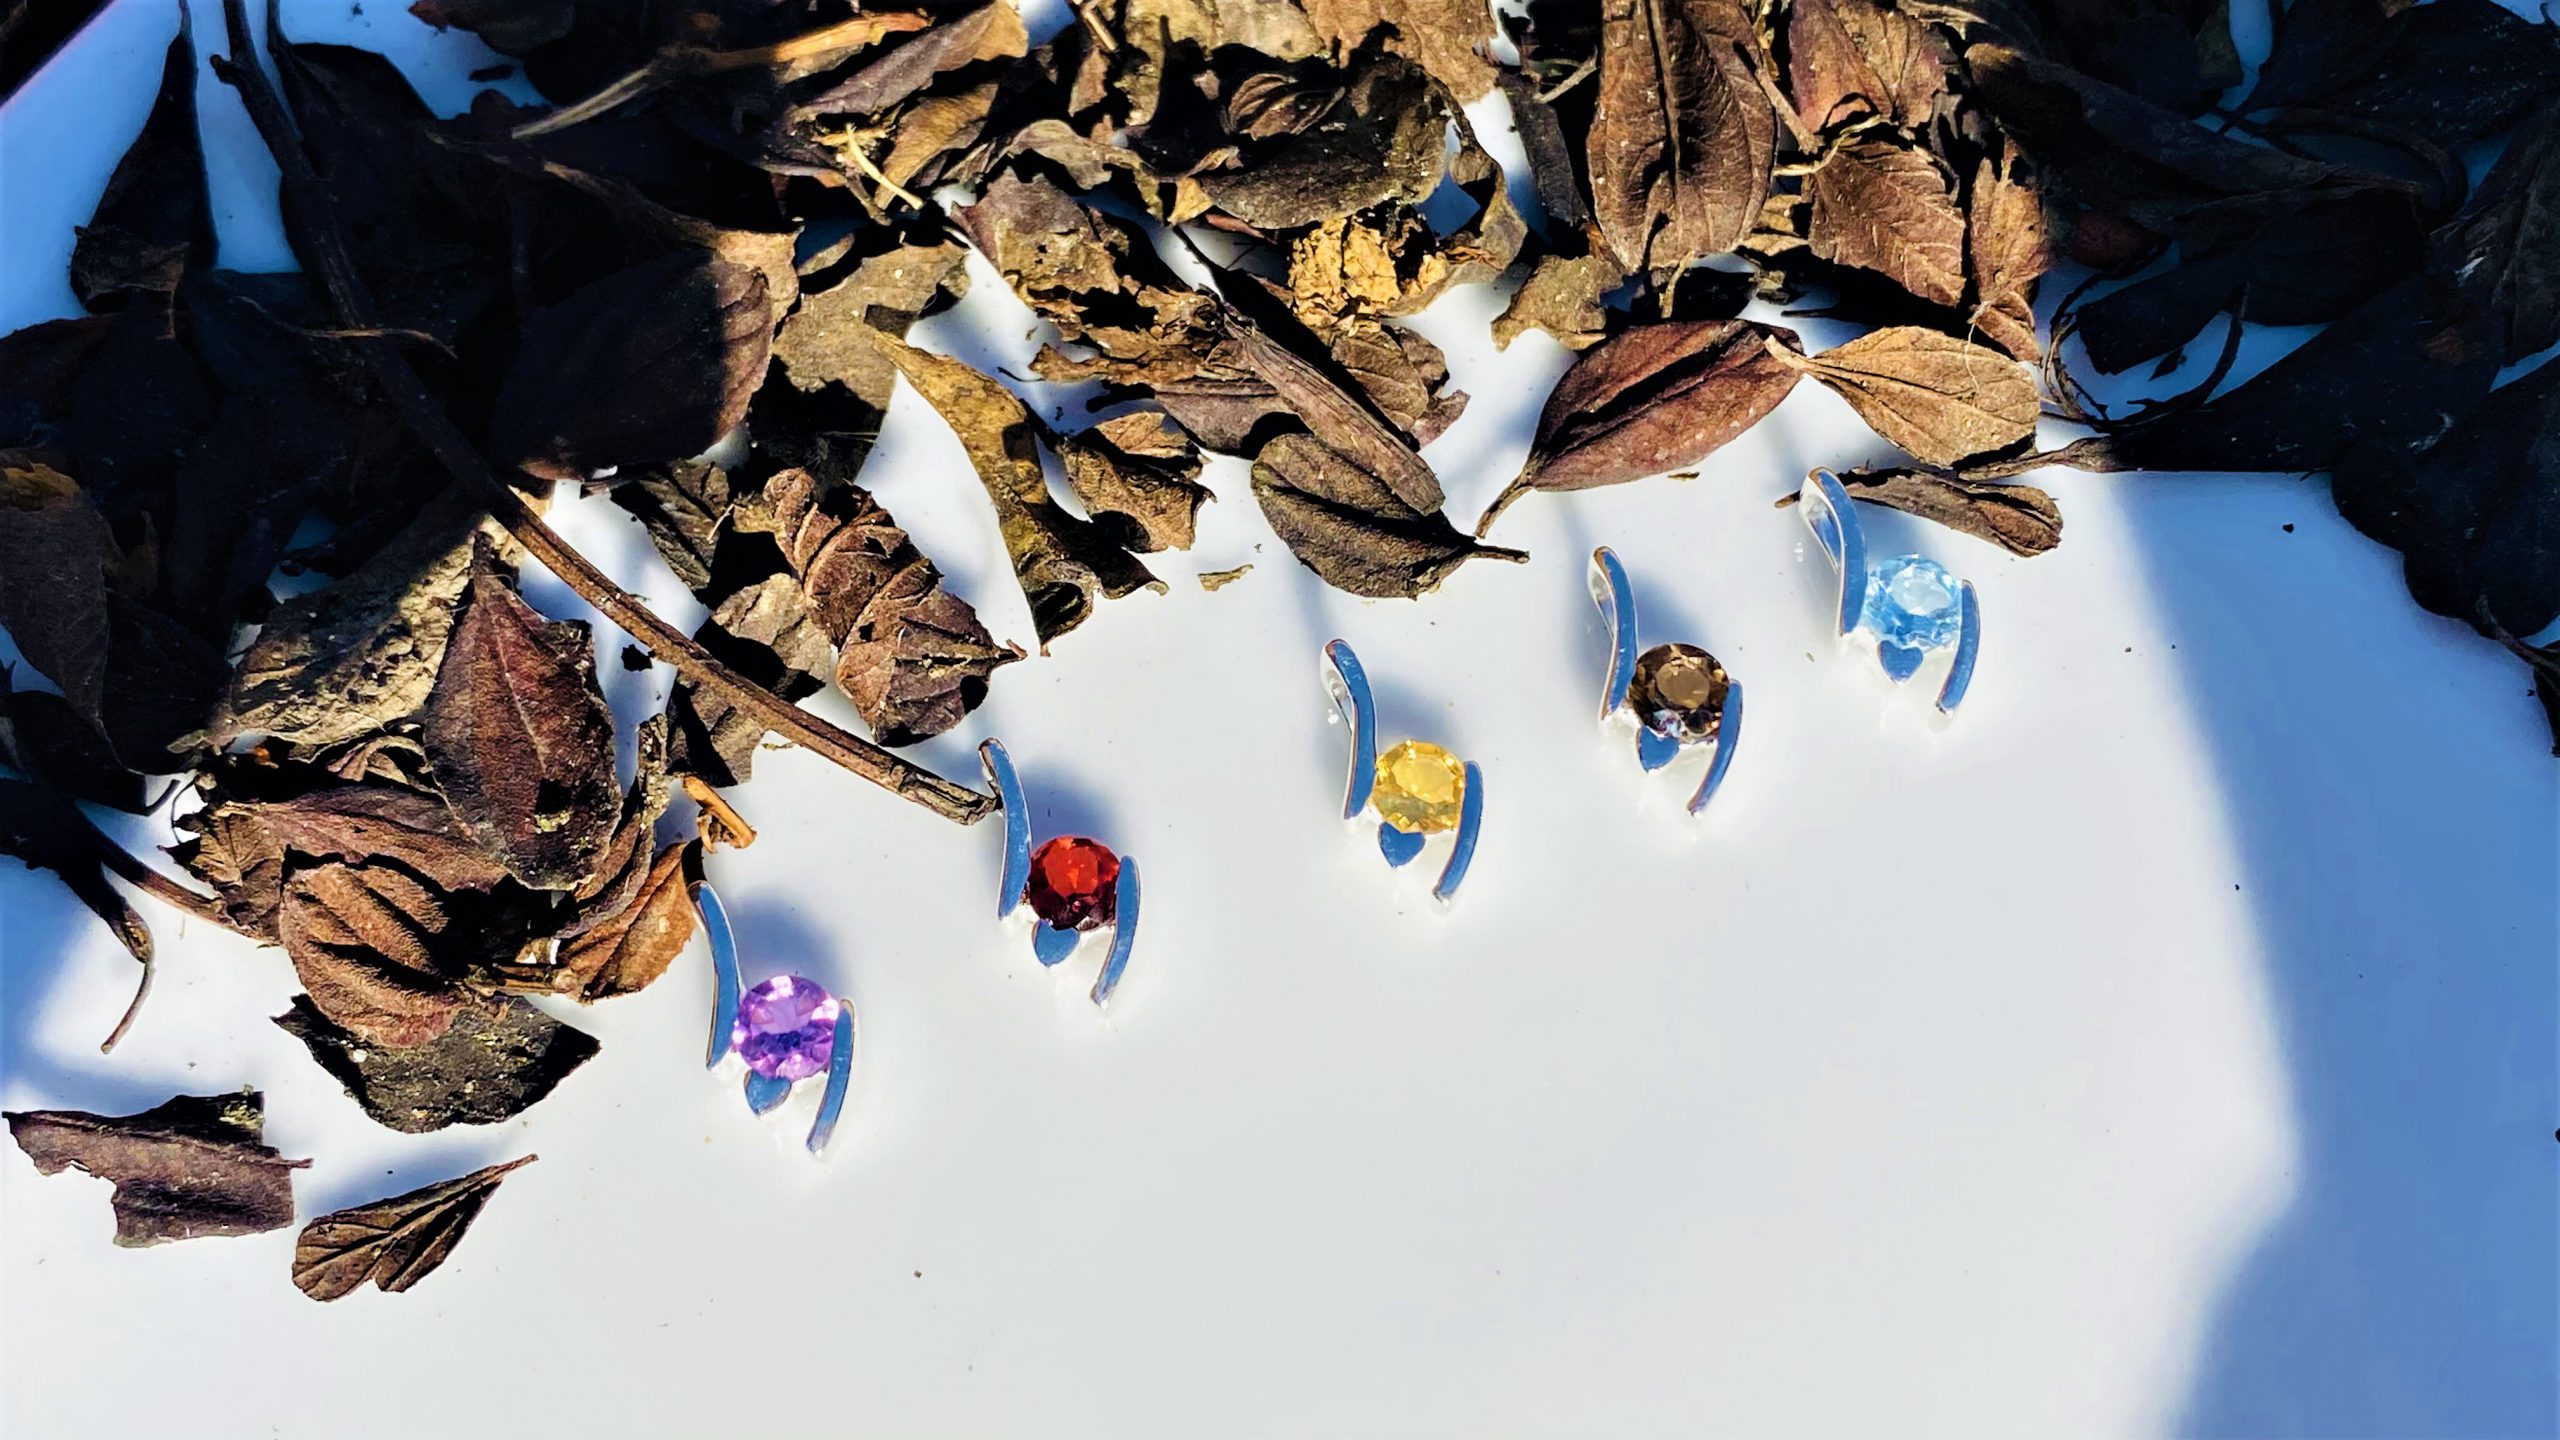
[(197, 1165)]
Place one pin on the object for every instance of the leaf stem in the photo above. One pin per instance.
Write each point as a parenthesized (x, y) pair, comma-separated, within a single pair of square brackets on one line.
[(677, 62), (310, 217)]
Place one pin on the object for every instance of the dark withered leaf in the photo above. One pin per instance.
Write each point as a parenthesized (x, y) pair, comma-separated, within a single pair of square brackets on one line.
[(637, 943), (1563, 296), (39, 368), (154, 223), (510, 27), (55, 556), (2506, 249), (651, 363), (1447, 38), (2020, 519), (162, 686), (46, 831), (1848, 58), (361, 654), (992, 31), (1348, 425), (1060, 560), (1092, 275), (1403, 374), (1654, 399), (684, 506), (1941, 399), (2454, 70), (2476, 514), (359, 823), (43, 737), (1383, 142), (492, 1065), (1138, 472), (1352, 529), (196, 1165), (1889, 208), (394, 1243), (912, 656), (519, 739), (1683, 140), (376, 947), (828, 340), (2005, 250), (1553, 168)]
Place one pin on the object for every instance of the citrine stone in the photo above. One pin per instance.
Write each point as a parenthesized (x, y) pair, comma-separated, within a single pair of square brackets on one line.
[(1678, 693), (1074, 883), (1420, 787)]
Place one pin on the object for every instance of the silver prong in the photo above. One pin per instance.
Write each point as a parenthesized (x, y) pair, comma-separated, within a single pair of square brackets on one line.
[(765, 1091), (839, 1079), (1968, 642), (1124, 934), (1728, 734), (1017, 825), (1050, 945), (1617, 601), (1470, 822), (1829, 513), (1348, 684), (725, 980)]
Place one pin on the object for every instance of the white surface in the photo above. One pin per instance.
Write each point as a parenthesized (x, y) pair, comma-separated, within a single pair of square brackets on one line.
[(2173, 1049)]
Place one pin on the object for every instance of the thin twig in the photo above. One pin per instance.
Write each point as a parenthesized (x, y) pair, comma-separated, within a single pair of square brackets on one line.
[(683, 61), (308, 214)]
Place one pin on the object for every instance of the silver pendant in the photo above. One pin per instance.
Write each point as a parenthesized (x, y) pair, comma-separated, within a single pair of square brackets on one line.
[(1908, 607), (1679, 695), (1417, 789)]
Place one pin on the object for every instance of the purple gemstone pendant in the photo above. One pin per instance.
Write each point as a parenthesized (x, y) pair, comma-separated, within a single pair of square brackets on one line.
[(786, 1029)]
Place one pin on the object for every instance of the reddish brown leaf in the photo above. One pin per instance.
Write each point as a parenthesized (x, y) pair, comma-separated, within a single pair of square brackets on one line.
[(1882, 207), (394, 1243), (197, 1165)]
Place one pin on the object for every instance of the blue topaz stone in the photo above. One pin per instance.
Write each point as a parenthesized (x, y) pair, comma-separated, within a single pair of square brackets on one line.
[(1912, 604)]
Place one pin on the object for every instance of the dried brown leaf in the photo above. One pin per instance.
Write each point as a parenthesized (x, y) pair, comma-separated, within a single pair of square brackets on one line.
[(1060, 560), (1351, 528), (369, 943), (155, 221), (1562, 296), (394, 1243), (2020, 519), (1683, 139), (2005, 251), (1887, 208), (519, 739), (196, 1165), (492, 1065), (1941, 399), (1139, 473), (626, 952), (828, 340)]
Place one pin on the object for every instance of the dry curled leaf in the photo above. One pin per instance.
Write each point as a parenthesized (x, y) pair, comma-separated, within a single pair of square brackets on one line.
[(155, 221), (2004, 248), (635, 945), (912, 655), (492, 1065), (1137, 473), (1061, 561), (1941, 399), (2020, 519), (376, 948), (1562, 296), (519, 739), (648, 364), (1887, 208), (1683, 139), (1349, 527), (394, 1243), (1653, 399), (197, 1165)]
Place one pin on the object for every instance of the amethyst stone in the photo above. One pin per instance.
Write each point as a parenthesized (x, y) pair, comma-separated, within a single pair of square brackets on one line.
[(786, 1028)]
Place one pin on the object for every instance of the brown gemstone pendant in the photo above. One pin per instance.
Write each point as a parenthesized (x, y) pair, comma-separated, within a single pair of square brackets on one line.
[(1680, 695)]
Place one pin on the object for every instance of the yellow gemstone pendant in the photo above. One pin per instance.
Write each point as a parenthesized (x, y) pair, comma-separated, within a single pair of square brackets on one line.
[(1421, 788)]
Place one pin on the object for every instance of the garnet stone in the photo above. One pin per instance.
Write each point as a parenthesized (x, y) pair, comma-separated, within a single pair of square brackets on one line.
[(1678, 693), (786, 1028), (1074, 883)]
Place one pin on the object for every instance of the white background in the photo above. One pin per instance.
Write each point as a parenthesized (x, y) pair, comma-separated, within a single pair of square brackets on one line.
[(2168, 1044)]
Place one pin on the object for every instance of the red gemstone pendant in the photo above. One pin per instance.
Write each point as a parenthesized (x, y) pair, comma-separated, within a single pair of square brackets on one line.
[(1074, 883)]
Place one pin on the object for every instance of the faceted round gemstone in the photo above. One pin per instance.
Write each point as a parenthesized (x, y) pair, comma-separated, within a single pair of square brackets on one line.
[(1913, 603), (1678, 693), (1074, 883), (1419, 788), (786, 1027)]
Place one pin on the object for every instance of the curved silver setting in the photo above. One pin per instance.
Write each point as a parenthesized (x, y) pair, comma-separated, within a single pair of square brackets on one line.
[(1124, 933), (1616, 598), (1728, 733), (1833, 520), (1348, 684), (1017, 825), (726, 984), (1399, 846), (1051, 945), (839, 1079), (1470, 822), (766, 1091), (1968, 643)]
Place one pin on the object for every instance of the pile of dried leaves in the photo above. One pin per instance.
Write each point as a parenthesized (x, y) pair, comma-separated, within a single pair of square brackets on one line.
[(730, 216)]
